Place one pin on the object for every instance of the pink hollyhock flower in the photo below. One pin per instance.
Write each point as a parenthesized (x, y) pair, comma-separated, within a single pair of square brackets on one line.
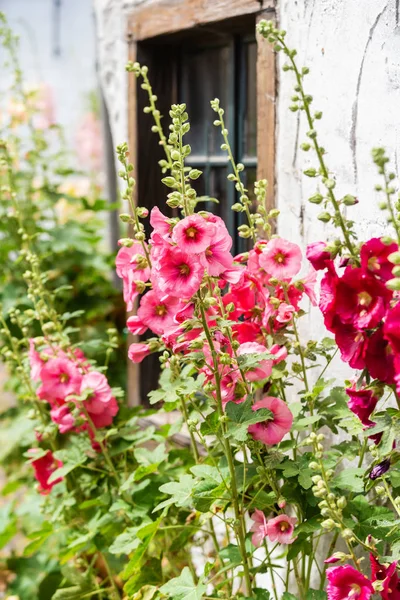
[(185, 312), (100, 404), (272, 432), (263, 369), (44, 467), (389, 577), (309, 282), (132, 260), (391, 328), (157, 312), (193, 234), (179, 274), (374, 258), (217, 257), (160, 223), (361, 299), (35, 361), (137, 352), (346, 583), (379, 357), (60, 378), (259, 528), (280, 529), (280, 258), (285, 313), (362, 403), (318, 255), (135, 325), (61, 415), (279, 353)]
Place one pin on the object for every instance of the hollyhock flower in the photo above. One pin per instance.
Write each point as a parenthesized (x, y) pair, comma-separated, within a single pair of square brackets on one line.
[(60, 378), (193, 234), (352, 344), (247, 331), (100, 403), (160, 223), (137, 352), (272, 432), (232, 275), (362, 403), (263, 369), (132, 260), (308, 283), (279, 353), (61, 415), (379, 358), (35, 361), (44, 467), (361, 299), (389, 577), (280, 258), (327, 297), (380, 469), (185, 312), (217, 257), (135, 325), (156, 312), (318, 255), (374, 258), (280, 529), (179, 274), (346, 583), (285, 313), (259, 528), (391, 328)]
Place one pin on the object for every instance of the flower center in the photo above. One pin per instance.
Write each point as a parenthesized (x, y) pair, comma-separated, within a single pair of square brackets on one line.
[(161, 310), (191, 232), (209, 252), (373, 264), (64, 378), (284, 526), (364, 299), (279, 258), (354, 592), (184, 269)]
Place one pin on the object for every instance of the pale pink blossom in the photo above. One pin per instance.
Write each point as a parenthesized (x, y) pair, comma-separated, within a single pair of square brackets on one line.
[(160, 223), (217, 257), (280, 258), (259, 528), (280, 529), (135, 325), (264, 368), (285, 313), (137, 352)]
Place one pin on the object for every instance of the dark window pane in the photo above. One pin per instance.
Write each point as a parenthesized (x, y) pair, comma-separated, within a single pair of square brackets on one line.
[(250, 112), (205, 76)]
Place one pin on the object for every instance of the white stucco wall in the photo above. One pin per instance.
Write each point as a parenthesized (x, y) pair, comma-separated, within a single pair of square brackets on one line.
[(353, 50)]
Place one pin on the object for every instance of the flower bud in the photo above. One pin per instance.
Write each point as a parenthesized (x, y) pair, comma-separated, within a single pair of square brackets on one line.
[(328, 524), (347, 534), (350, 200), (325, 217), (393, 284), (342, 502)]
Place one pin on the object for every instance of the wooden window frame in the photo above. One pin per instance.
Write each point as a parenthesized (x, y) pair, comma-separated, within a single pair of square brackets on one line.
[(167, 17)]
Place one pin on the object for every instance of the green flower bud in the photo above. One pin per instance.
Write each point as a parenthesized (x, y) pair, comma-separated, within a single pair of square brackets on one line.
[(316, 199), (311, 172), (325, 217), (393, 284), (350, 200)]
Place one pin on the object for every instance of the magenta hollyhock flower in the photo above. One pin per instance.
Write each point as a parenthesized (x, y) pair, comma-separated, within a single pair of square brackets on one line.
[(345, 583), (389, 576), (193, 234), (362, 402), (44, 467), (259, 528), (264, 368), (60, 378), (318, 255), (327, 298), (280, 258), (137, 352), (280, 529), (285, 313), (361, 300), (157, 312), (391, 328), (379, 358), (374, 258), (272, 432), (178, 273), (352, 344)]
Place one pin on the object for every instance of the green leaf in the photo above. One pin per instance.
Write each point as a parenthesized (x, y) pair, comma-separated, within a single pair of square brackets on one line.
[(183, 587), (242, 415), (315, 595), (288, 596), (69, 593), (71, 458), (125, 542), (232, 554), (180, 491), (350, 480)]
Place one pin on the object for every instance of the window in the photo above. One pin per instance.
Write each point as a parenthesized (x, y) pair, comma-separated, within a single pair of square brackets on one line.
[(194, 54)]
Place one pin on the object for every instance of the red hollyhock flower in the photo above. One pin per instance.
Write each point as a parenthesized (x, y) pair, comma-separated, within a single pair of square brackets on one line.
[(346, 583), (361, 299), (351, 343), (391, 329), (44, 467), (362, 403), (318, 256), (379, 358), (389, 576), (374, 258)]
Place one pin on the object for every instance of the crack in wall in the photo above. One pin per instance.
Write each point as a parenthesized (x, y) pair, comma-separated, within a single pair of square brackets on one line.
[(354, 111)]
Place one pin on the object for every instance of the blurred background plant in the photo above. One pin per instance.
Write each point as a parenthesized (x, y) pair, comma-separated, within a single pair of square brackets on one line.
[(63, 207)]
